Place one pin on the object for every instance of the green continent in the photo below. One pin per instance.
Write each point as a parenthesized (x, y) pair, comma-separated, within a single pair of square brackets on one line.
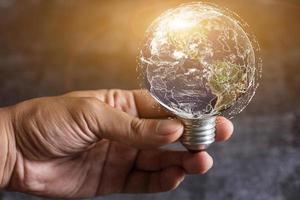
[(227, 81)]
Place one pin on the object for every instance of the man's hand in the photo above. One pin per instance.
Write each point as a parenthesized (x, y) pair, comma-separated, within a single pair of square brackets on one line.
[(92, 143)]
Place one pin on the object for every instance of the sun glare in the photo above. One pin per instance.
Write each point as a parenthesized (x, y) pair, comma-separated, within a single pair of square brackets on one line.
[(181, 21)]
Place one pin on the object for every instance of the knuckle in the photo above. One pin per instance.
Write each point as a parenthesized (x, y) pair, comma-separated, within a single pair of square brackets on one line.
[(136, 128), (141, 133), (90, 103)]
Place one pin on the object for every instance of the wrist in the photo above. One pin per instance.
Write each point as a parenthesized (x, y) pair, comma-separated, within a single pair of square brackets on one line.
[(7, 147)]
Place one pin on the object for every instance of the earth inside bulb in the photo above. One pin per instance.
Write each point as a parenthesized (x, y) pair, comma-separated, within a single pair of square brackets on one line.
[(198, 60)]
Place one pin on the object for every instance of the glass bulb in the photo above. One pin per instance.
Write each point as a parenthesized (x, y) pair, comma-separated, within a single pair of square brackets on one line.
[(199, 61)]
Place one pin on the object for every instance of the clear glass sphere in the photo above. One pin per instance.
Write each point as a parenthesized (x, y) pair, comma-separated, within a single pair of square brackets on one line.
[(199, 60)]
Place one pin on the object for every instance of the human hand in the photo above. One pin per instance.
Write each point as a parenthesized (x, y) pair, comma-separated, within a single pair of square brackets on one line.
[(92, 143)]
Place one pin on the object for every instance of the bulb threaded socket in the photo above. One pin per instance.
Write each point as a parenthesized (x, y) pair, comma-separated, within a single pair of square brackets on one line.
[(198, 133)]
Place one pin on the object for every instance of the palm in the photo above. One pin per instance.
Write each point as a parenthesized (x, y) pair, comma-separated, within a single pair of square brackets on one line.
[(104, 168)]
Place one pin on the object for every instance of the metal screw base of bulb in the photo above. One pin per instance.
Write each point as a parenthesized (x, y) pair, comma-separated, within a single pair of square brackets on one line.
[(198, 133)]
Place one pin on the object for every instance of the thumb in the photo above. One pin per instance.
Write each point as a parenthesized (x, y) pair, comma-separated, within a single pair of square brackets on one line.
[(116, 125)]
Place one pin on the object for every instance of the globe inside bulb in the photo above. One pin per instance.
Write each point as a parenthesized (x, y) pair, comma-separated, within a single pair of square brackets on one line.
[(198, 60)]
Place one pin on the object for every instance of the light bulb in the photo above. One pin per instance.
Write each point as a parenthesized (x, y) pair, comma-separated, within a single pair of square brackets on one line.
[(199, 61)]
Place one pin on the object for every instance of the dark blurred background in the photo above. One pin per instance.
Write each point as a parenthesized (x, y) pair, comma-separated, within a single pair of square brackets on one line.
[(52, 47)]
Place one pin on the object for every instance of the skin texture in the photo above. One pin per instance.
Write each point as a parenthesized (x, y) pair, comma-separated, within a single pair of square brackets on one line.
[(92, 143)]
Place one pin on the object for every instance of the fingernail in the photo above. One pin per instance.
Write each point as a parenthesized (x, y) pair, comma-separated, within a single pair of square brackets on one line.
[(180, 181), (209, 163), (165, 127)]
